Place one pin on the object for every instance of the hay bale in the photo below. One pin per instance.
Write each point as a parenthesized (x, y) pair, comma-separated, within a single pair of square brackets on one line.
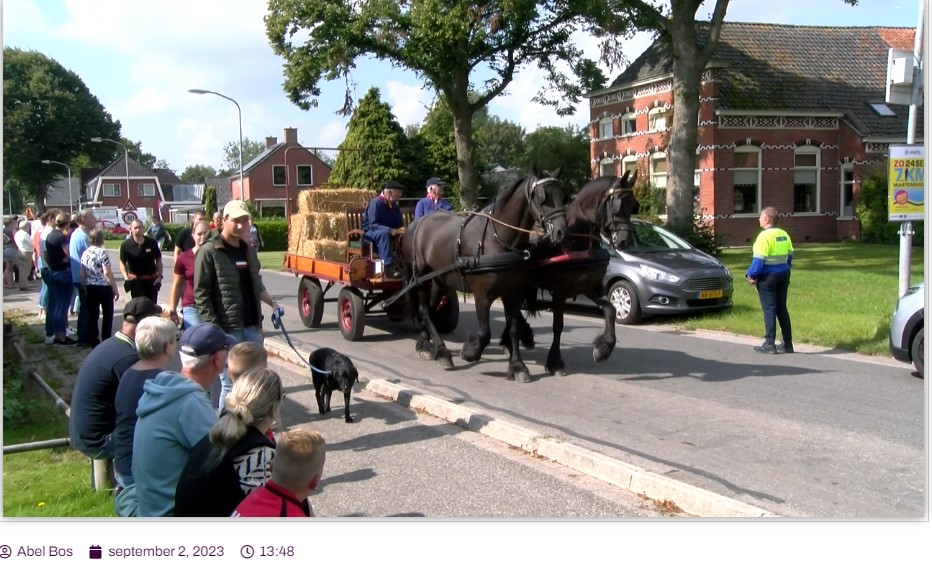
[(332, 200)]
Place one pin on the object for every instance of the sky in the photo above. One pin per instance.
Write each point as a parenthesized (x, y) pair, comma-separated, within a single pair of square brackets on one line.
[(140, 57)]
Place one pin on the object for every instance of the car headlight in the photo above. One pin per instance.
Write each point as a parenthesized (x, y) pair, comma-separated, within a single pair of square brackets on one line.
[(658, 275)]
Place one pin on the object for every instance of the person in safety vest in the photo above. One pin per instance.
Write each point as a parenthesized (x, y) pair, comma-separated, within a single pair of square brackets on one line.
[(770, 272)]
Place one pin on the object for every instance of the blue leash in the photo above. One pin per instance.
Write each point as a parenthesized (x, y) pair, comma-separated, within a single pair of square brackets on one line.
[(279, 325)]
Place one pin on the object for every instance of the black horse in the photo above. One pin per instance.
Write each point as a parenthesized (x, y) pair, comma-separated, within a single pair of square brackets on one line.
[(603, 208), (484, 253)]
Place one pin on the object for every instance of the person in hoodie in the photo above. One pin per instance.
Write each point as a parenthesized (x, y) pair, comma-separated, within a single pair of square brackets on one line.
[(174, 413)]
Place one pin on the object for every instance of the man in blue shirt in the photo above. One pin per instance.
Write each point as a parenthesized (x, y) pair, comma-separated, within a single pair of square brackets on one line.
[(76, 247), (434, 200), (382, 222)]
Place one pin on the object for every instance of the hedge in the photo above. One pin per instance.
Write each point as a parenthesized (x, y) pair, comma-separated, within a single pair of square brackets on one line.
[(274, 233)]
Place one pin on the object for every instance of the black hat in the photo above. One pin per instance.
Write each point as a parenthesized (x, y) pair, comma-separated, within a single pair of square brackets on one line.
[(205, 339), (394, 185), (434, 180), (139, 308)]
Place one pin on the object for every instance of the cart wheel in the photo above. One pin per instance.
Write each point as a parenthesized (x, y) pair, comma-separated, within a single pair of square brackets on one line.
[(352, 311), (446, 313), (310, 302)]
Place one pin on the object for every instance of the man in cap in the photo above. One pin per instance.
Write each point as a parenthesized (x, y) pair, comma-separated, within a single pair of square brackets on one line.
[(434, 200), (228, 288), (381, 222), (174, 414), (93, 415)]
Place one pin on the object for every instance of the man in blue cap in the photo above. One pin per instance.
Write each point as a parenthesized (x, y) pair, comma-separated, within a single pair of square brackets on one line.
[(434, 200), (174, 414), (382, 222)]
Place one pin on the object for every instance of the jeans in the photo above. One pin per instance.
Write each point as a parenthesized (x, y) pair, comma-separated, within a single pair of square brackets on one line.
[(97, 298), (190, 317), (81, 308), (124, 479), (59, 298), (383, 244), (252, 334), (43, 292), (772, 290)]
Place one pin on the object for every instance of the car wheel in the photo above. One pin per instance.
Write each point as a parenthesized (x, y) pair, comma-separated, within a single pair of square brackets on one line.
[(624, 298), (918, 352)]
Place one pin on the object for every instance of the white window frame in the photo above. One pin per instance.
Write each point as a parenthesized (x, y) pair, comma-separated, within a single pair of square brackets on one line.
[(659, 180), (146, 189), (757, 205), (807, 170), (284, 172), (607, 167), (845, 170), (297, 174), (263, 204), (114, 190), (629, 119), (611, 128), (629, 163), (657, 119)]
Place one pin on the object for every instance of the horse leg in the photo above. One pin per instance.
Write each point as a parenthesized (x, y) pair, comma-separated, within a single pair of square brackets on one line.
[(517, 370), (604, 344), (423, 346), (555, 365), (430, 344), (475, 344), (525, 334)]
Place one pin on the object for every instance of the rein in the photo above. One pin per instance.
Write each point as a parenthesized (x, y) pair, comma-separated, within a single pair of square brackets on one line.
[(507, 225)]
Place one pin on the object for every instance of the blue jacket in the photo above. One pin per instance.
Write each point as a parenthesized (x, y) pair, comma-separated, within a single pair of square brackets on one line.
[(426, 205), (76, 247), (379, 217), (174, 414)]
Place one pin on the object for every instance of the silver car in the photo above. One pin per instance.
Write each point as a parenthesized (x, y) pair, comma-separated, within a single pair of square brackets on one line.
[(659, 272), (907, 332)]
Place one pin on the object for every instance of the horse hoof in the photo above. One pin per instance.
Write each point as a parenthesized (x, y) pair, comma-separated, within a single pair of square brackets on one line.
[(522, 377), (445, 363), (426, 355)]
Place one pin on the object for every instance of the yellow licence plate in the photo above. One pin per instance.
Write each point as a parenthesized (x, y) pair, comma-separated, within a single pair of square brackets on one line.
[(710, 294)]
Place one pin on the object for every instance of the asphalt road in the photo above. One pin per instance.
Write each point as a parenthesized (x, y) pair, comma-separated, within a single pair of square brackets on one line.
[(821, 434)]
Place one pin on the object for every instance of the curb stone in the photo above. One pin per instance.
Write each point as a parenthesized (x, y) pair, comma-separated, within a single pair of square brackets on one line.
[(690, 499)]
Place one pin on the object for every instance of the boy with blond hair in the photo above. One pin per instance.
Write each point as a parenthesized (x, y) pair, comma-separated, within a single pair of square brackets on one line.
[(296, 472)]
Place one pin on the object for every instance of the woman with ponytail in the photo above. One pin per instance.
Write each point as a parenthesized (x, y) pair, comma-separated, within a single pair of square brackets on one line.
[(233, 459)]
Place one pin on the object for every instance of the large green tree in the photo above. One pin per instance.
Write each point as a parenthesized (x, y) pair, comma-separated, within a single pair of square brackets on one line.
[(498, 141), (375, 129), (447, 43), (48, 113), (564, 147), (195, 174)]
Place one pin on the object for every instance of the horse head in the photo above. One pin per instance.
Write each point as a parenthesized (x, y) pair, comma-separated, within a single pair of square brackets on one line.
[(618, 204), (547, 201)]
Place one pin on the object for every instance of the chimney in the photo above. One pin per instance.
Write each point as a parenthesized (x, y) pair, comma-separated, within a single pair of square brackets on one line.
[(291, 136), (270, 141)]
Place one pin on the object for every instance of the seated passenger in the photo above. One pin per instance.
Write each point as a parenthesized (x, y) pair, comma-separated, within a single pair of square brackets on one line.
[(381, 222), (434, 200)]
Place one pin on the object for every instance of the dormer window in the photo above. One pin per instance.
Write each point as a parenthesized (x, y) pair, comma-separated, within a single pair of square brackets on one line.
[(881, 109)]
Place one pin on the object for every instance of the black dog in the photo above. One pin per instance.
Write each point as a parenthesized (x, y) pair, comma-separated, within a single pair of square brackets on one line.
[(340, 375)]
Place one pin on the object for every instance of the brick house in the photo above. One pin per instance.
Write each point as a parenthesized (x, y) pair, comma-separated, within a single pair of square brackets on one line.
[(790, 116), (278, 174), (117, 188)]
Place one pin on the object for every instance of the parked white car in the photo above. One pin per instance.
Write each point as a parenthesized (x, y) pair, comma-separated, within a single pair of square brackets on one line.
[(907, 328)]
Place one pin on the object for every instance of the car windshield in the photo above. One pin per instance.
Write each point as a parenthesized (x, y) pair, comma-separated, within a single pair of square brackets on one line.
[(648, 237)]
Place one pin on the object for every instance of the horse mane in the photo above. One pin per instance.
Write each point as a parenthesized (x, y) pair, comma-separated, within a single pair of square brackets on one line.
[(589, 197), (506, 192)]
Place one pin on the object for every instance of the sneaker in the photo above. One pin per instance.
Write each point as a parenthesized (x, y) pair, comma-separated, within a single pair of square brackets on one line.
[(49, 340), (785, 348), (765, 348), (72, 332)]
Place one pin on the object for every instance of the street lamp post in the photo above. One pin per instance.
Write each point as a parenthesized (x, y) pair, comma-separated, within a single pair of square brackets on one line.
[(125, 157), (239, 113), (70, 193)]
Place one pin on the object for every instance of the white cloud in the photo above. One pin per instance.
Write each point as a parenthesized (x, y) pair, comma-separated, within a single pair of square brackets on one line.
[(409, 102), (147, 100)]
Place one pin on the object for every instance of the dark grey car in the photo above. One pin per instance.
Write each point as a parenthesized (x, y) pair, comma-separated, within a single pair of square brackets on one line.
[(660, 273)]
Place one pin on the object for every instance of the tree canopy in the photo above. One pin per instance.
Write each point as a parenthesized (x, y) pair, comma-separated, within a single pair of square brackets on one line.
[(195, 174), (373, 128), (564, 147), (48, 113), (251, 150), (455, 46)]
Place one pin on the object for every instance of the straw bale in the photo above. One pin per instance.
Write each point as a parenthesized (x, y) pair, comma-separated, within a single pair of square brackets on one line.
[(332, 200)]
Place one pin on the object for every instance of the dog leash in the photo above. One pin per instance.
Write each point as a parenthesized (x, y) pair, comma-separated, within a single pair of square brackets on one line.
[(278, 324)]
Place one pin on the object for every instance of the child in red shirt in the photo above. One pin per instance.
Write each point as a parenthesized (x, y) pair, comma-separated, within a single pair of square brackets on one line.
[(296, 472)]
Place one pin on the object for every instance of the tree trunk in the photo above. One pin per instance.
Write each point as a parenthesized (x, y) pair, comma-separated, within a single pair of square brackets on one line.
[(469, 181), (681, 150)]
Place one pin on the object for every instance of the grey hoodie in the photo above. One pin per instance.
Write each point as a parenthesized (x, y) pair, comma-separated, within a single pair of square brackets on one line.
[(174, 414)]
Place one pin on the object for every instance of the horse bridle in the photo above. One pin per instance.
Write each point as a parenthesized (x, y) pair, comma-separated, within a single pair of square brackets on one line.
[(543, 218), (608, 223)]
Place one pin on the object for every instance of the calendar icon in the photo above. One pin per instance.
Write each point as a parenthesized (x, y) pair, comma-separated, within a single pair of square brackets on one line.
[(94, 552)]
